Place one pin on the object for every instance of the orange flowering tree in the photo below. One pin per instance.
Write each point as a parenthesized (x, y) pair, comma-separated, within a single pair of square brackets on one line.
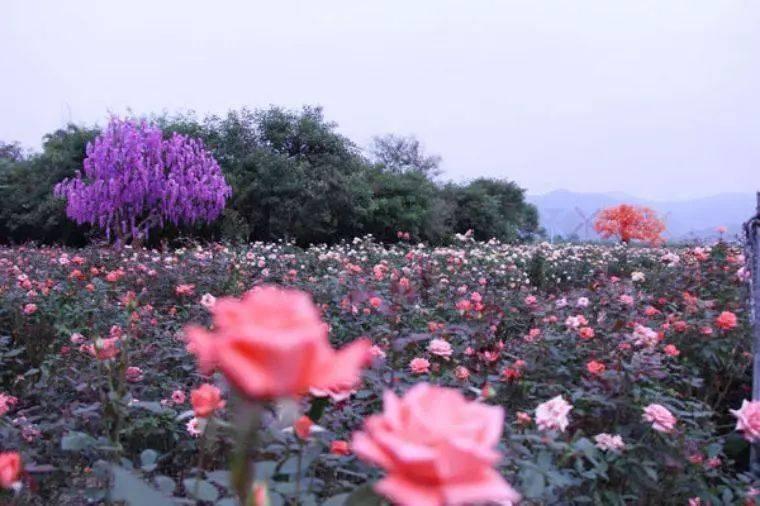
[(629, 222)]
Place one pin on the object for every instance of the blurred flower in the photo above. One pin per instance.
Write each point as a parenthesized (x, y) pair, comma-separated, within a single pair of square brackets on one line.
[(748, 420), (205, 400), (436, 447), (10, 469), (273, 343)]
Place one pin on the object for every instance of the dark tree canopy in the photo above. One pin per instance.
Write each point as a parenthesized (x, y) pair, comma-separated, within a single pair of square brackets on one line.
[(400, 154)]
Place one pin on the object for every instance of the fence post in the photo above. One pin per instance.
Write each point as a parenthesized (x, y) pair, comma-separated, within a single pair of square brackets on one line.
[(752, 248)]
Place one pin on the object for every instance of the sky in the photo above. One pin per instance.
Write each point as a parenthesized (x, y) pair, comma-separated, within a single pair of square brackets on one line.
[(659, 99)]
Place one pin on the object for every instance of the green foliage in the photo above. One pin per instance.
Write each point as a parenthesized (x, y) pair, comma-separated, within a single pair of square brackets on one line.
[(294, 177), (28, 210)]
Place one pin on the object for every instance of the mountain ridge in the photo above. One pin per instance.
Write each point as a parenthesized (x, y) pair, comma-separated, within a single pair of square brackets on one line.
[(565, 212)]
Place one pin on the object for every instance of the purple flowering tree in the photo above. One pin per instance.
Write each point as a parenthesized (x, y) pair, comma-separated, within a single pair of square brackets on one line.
[(134, 180)]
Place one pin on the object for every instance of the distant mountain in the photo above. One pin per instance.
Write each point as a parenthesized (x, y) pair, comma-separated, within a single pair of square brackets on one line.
[(565, 213)]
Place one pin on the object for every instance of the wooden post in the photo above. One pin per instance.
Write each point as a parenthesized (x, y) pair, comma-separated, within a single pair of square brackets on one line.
[(752, 248)]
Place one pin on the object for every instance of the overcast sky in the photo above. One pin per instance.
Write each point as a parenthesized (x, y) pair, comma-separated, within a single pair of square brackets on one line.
[(660, 99)]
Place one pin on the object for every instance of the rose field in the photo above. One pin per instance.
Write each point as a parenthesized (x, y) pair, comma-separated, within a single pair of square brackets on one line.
[(480, 373)]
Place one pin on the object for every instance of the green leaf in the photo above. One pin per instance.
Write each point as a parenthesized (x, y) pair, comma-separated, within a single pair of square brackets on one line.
[(77, 441), (336, 500), (363, 496), (165, 484), (533, 483), (221, 477), (201, 490), (148, 460), (129, 488)]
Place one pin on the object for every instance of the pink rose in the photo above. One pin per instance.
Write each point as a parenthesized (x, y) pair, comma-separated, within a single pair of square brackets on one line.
[(726, 320), (134, 374), (660, 417), (748, 420), (273, 343), (437, 448), (440, 347), (419, 365)]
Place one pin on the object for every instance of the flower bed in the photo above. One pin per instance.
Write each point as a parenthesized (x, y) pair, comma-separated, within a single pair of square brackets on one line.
[(552, 374)]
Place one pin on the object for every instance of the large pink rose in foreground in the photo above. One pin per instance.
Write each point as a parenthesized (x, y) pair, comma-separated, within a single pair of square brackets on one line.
[(272, 343), (748, 420), (437, 447)]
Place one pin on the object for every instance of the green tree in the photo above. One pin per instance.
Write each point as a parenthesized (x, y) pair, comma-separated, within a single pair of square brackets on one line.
[(493, 208), (28, 210)]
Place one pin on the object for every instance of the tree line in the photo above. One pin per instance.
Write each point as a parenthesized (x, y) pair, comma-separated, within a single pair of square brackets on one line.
[(293, 177)]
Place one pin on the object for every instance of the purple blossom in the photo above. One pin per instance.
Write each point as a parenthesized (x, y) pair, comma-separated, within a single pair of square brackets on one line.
[(135, 180)]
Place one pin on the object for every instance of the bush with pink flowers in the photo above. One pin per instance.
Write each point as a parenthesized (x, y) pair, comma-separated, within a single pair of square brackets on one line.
[(352, 373)]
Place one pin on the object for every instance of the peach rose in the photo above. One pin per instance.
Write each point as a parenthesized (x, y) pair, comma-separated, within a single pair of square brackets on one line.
[(205, 400), (726, 320), (660, 417), (10, 469), (437, 448), (748, 420), (419, 365), (272, 343)]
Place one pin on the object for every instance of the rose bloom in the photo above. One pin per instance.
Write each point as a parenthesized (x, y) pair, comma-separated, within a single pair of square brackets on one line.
[(726, 320), (671, 350), (626, 299), (419, 365), (302, 427), (178, 397), (205, 400), (461, 373), (376, 352), (105, 349), (10, 469), (6, 403), (595, 367), (340, 447), (748, 420), (77, 338), (30, 309), (337, 393), (609, 442), (552, 414), (134, 374), (208, 301), (523, 418), (582, 302), (437, 448), (586, 333), (660, 417), (195, 426), (440, 347), (272, 343), (185, 289), (375, 302)]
